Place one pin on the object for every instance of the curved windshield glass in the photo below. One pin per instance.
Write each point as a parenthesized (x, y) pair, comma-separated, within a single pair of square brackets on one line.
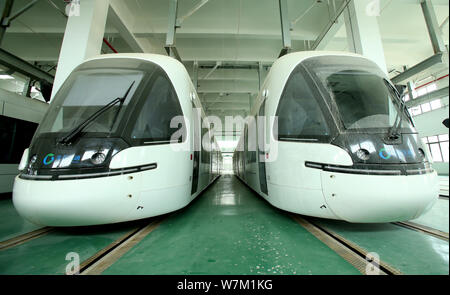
[(363, 97), (86, 92)]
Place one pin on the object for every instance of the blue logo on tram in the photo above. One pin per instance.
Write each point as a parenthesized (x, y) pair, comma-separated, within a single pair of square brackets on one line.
[(50, 158), (76, 160), (384, 154)]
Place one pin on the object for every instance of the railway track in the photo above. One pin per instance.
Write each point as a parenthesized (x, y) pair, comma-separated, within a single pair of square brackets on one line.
[(102, 259), (423, 229), (106, 257), (25, 238), (361, 259)]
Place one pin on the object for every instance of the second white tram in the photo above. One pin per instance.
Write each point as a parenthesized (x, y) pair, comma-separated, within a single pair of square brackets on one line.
[(19, 118), (109, 150), (328, 136)]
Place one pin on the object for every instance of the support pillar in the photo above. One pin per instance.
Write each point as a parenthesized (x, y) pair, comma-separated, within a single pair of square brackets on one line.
[(172, 29), (195, 75), (83, 38), (27, 87), (285, 25), (5, 11), (363, 32)]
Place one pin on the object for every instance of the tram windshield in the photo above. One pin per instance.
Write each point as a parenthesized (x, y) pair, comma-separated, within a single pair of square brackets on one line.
[(361, 93), (85, 93)]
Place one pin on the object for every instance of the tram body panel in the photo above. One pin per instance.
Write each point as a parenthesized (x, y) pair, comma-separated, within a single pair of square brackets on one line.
[(381, 176), (140, 168), (76, 202), (379, 198)]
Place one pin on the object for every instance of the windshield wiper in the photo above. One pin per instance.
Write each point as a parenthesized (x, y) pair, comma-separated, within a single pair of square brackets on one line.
[(77, 130), (393, 132)]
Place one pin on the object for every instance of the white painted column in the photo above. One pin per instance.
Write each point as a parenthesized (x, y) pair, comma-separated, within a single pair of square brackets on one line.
[(82, 39), (363, 32)]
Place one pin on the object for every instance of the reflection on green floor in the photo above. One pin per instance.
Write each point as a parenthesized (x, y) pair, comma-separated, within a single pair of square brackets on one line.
[(230, 230), (437, 217), (409, 251), (47, 254), (11, 224)]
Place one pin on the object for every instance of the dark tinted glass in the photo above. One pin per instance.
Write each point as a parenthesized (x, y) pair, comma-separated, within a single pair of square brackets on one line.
[(299, 115), (360, 90), (84, 93), (205, 143), (160, 107), (15, 137)]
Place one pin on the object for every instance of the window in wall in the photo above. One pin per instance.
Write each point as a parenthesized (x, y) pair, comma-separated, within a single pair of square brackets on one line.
[(425, 107), (436, 104), (422, 91), (414, 111), (438, 146), (431, 87)]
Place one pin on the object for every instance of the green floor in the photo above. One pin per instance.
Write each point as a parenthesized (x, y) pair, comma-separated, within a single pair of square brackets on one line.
[(437, 217), (230, 230), (409, 251), (227, 230), (47, 254), (12, 224)]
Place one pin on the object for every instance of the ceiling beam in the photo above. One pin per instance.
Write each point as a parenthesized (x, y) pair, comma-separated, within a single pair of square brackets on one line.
[(327, 31), (295, 21), (121, 18), (226, 86), (212, 70), (5, 11), (418, 68), (17, 64), (433, 26), (195, 75), (171, 30), (260, 75), (199, 5), (427, 97), (285, 29)]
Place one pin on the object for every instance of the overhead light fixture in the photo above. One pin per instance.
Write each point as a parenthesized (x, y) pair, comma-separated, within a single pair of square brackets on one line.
[(6, 77)]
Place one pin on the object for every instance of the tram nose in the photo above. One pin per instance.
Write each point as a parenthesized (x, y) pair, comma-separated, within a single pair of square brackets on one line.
[(364, 198)]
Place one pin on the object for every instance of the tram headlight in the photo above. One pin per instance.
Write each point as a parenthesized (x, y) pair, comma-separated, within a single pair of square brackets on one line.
[(98, 158), (422, 153), (363, 154)]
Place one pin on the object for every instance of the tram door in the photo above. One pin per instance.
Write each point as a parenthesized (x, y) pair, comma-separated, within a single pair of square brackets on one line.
[(197, 147), (261, 153)]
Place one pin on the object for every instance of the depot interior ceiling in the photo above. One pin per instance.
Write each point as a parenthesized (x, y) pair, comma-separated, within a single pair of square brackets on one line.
[(240, 35)]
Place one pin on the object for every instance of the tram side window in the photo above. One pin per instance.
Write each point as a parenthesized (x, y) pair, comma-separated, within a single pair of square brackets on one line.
[(251, 143), (161, 105), (15, 137), (205, 154), (299, 115)]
